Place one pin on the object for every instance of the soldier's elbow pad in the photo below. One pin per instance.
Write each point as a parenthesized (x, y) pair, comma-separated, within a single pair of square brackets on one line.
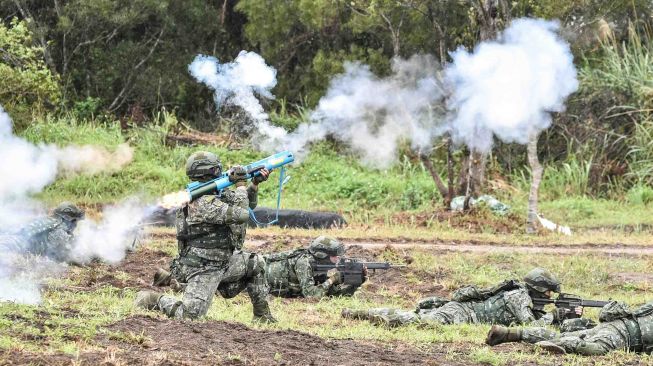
[(242, 216)]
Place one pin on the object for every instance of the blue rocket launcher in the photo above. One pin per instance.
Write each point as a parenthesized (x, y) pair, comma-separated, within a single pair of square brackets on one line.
[(278, 160)]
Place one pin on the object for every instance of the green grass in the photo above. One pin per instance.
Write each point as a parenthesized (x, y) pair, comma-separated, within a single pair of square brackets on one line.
[(325, 180), (70, 321)]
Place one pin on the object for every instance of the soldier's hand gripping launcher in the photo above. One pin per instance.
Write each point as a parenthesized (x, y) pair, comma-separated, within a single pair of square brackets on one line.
[(198, 189)]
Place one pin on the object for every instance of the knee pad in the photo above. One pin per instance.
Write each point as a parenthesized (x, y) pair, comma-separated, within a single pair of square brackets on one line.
[(255, 265)]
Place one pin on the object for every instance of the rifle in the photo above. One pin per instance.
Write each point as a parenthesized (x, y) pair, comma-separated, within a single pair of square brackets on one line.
[(569, 302), (352, 270)]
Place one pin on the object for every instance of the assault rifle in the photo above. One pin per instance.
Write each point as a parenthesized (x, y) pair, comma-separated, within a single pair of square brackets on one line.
[(569, 302), (353, 270)]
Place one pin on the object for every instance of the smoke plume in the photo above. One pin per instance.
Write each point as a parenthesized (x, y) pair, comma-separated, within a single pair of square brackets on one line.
[(28, 169), (111, 238), (374, 115), (505, 88), (509, 87)]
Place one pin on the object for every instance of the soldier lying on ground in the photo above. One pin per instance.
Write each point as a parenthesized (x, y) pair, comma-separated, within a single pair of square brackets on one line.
[(619, 329), (210, 235), (289, 274), (509, 302), (50, 236)]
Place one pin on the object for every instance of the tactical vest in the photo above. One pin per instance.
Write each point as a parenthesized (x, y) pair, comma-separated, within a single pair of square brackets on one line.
[(280, 271), (203, 235), (638, 322)]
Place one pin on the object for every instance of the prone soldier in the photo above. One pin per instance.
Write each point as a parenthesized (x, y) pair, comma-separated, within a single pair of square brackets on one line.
[(619, 329), (292, 274), (50, 236), (510, 302)]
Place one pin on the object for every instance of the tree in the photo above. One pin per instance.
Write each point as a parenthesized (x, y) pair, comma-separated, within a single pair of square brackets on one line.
[(27, 83)]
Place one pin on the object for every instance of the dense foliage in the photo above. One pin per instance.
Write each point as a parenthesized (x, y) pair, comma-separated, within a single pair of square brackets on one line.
[(129, 59)]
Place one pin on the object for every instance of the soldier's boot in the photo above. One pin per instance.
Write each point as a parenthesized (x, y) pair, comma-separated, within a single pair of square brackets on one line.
[(162, 278), (147, 299), (551, 347), (354, 314), (262, 313), (499, 334)]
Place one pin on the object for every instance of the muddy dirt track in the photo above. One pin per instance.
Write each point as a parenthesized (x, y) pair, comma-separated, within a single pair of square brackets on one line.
[(264, 242)]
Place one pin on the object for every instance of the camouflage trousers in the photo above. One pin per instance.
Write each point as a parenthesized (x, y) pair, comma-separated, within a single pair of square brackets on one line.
[(450, 313), (600, 340), (242, 271)]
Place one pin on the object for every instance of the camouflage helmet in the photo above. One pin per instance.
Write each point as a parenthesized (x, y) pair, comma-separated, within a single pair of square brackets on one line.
[(541, 280), (68, 211), (326, 246), (203, 164)]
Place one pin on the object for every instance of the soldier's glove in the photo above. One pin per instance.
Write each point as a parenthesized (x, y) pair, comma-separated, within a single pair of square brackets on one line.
[(365, 274), (264, 174), (237, 175), (560, 314), (334, 277)]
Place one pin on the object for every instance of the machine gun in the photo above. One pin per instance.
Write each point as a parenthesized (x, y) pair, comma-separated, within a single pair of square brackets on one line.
[(569, 302), (353, 271)]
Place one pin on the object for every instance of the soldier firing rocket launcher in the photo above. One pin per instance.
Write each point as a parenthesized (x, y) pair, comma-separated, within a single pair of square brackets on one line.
[(354, 271), (278, 160)]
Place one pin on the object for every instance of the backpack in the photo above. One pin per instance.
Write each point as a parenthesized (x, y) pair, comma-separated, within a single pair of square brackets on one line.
[(615, 310), (473, 293), (282, 256)]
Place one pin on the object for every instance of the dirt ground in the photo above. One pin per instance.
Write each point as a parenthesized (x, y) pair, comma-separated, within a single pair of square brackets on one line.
[(161, 341)]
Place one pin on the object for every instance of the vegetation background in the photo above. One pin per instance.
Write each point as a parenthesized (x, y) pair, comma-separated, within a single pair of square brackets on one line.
[(105, 71)]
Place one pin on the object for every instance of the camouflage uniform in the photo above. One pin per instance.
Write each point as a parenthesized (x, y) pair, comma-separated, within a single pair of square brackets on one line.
[(633, 331), (507, 303), (211, 233), (50, 237), (290, 274)]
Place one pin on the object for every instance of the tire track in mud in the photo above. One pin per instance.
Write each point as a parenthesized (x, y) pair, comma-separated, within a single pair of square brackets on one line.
[(472, 247)]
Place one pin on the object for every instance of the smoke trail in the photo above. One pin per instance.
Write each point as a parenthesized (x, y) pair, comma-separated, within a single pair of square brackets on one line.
[(374, 115), (111, 238), (509, 87), (27, 168)]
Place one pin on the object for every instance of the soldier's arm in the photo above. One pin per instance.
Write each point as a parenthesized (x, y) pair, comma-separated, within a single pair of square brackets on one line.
[(521, 306), (210, 209), (304, 273), (252, 195)]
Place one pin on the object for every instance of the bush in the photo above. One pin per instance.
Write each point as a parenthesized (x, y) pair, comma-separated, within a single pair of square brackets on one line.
[(27, 84)]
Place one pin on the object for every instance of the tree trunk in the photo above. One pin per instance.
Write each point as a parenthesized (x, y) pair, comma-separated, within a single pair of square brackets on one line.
[(436, 177), (536, 178)]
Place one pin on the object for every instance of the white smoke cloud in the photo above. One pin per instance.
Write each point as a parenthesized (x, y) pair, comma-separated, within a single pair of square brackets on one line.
[(111, 238), (27, 169), (510, 86), (236, 83), (374, 115), (505, 88)]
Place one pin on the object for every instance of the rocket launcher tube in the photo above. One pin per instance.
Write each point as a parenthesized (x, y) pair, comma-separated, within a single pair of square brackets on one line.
[(198, 189)]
